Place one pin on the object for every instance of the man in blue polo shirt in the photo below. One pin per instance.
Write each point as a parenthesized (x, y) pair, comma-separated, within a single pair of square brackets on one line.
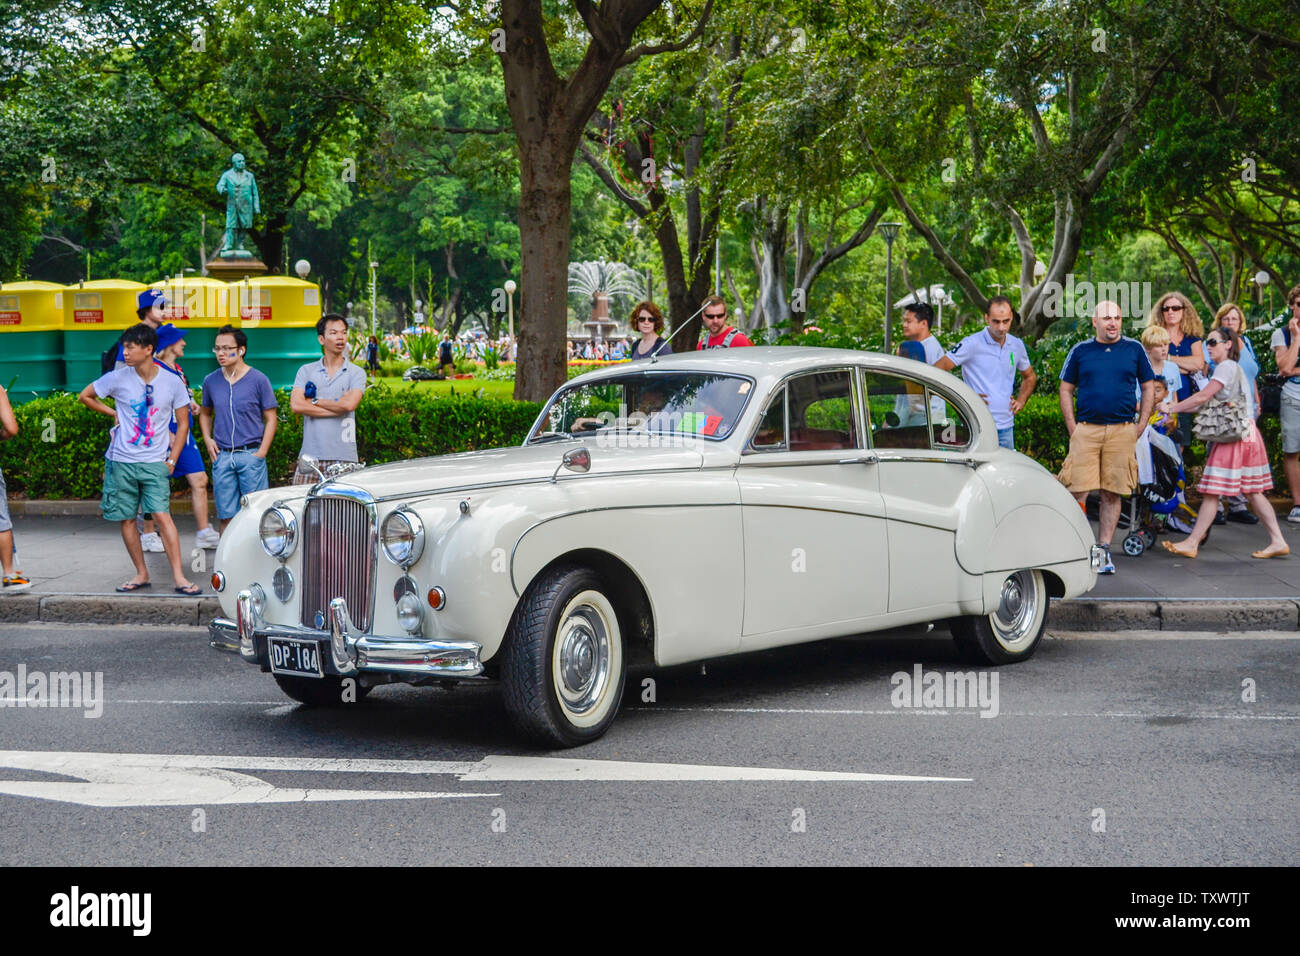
[(1097, 383), (989, 362)]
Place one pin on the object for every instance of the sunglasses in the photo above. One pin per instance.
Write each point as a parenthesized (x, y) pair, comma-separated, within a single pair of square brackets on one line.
[(715, 315), (645, 318), (148, 396), (1216, 341), (1171, 308)]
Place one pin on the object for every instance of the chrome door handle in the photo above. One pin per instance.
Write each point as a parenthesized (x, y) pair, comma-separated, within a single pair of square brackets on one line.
[(870, 459)]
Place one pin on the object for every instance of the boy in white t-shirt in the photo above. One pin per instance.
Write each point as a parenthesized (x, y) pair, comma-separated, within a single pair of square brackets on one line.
[(1156, 341), (143, 449)]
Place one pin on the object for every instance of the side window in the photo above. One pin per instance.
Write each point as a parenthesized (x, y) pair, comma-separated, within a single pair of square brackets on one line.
[(821, 412), (947, 423), (907, 414), (898, 412), (770, 434)]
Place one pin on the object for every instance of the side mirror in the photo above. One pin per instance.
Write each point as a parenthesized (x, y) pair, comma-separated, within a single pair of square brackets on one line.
[(579, 460)]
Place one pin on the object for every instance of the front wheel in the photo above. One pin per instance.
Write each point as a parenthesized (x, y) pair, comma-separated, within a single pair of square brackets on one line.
[(562, 670), (1010, 633)]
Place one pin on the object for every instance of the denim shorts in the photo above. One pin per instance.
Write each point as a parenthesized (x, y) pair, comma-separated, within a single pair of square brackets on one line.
[(235, 474)]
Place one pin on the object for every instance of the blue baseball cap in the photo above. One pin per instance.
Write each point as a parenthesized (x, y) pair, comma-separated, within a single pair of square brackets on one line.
[(169, 335), (149, 298)]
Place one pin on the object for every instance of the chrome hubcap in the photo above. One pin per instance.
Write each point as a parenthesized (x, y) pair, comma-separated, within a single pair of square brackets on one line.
[(1016, 618), (583, 658)]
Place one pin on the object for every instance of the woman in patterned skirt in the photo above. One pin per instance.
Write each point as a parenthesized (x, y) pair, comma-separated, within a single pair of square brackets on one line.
[(1231, 468)]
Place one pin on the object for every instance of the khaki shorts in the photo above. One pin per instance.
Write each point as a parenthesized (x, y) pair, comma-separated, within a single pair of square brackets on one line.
[(1101, 457)]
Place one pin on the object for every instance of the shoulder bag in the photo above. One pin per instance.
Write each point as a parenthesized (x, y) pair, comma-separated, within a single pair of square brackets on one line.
[(1223, 418)]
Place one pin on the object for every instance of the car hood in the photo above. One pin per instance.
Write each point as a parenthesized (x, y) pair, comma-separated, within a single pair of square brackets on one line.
[(507, 465)]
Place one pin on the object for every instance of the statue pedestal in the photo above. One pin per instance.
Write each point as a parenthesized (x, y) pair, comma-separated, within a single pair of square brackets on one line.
[(235, 269)]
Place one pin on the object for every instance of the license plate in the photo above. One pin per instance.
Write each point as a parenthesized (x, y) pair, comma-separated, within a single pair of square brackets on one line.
[(289, 656)]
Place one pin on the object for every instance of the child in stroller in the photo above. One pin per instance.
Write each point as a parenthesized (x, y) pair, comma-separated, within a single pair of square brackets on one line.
[(1160, 497)]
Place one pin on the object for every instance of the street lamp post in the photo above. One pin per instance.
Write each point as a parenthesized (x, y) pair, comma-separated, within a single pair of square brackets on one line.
[(1261, 280), (374, 266), (510, 317), (890, 231)]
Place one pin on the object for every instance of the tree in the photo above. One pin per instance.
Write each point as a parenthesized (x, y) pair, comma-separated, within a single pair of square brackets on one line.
[(548, 113)]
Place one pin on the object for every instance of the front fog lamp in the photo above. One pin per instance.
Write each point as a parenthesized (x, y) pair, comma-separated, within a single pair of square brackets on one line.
[(402, 537), (409, 613), (259, 600), (279, 532)]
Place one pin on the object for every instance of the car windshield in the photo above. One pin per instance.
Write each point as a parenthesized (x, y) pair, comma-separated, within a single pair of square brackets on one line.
[(699, 404)]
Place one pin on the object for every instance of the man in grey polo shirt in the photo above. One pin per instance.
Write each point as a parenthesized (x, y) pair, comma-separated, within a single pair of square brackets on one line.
[(326, 394), (990, 361)]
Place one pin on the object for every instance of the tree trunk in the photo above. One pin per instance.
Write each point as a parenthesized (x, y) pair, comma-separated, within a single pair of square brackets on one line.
[(544, 211)]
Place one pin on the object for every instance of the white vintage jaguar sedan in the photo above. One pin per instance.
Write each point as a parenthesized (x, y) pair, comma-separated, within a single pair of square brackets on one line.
[(658, 512)]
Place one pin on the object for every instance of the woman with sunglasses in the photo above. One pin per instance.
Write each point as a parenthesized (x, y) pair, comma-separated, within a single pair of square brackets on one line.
[(1231, 468), (1175, 313), (648, 321)]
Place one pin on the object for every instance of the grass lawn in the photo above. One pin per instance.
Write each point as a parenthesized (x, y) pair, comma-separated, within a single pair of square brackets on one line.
[(501, 391)]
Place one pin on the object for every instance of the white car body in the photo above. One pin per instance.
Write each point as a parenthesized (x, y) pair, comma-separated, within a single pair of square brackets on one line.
[(707, 547)]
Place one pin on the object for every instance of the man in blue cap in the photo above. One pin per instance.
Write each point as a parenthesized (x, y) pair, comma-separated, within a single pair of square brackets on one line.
[(150, 308)]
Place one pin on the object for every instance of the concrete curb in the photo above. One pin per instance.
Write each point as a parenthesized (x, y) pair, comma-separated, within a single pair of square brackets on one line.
[(108, 609), (1268, 614), (88, 507)]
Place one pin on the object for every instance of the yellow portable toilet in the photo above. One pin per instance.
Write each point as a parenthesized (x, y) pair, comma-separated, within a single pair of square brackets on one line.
[(279, 316), (94, 316), (200, 305), (31, 339)]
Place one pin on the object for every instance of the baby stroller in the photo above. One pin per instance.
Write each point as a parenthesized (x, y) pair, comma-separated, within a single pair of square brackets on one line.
[(1160, 491)]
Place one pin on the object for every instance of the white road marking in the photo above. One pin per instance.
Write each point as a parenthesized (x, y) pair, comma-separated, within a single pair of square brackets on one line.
[(143, 780), (914, 712)]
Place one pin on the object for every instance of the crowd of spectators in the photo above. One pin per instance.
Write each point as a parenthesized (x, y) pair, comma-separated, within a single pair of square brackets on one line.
[(1112, 388)]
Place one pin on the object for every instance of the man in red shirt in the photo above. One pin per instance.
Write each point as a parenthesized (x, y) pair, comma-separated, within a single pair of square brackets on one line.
[(720, 335)]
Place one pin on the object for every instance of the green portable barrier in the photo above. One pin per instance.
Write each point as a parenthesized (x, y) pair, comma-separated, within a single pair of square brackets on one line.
[(31, 339), (94, 316)]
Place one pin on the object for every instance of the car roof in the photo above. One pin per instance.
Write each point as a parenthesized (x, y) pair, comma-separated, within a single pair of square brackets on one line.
[(771, 362)]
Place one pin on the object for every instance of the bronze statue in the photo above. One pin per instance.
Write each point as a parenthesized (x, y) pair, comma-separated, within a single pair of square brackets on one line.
[(239, 186)]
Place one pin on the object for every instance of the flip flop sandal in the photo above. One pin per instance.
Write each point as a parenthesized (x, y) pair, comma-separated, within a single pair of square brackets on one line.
[(193, 590), (125, 588)]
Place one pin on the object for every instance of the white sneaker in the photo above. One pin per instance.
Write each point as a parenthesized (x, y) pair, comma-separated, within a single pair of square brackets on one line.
[(152, 542), (1294, 516), (207, 538)]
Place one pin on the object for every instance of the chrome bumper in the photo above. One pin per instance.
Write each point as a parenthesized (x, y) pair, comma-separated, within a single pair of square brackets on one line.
[(343, 651)]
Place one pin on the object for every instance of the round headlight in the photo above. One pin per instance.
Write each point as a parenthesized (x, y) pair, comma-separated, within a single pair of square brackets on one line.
[(402, 537), (279, 532)]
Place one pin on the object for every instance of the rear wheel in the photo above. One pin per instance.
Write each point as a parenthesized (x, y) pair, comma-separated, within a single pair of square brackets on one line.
[(1010, 633), (328, 691), (562, 670)]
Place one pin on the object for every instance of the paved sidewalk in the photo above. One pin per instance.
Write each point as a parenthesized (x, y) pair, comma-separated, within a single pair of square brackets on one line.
[(76, 561)]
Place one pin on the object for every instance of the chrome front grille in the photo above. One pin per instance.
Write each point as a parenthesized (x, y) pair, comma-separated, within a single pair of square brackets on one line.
[(338, 559)]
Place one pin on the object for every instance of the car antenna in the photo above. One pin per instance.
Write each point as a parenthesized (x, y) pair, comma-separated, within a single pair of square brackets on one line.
[(655, 358)]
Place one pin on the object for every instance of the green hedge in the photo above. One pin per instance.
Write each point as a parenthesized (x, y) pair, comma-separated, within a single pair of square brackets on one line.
[(60, 446)]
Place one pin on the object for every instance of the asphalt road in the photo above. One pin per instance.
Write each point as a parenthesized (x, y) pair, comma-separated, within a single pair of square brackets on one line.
[(1124, 750)]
